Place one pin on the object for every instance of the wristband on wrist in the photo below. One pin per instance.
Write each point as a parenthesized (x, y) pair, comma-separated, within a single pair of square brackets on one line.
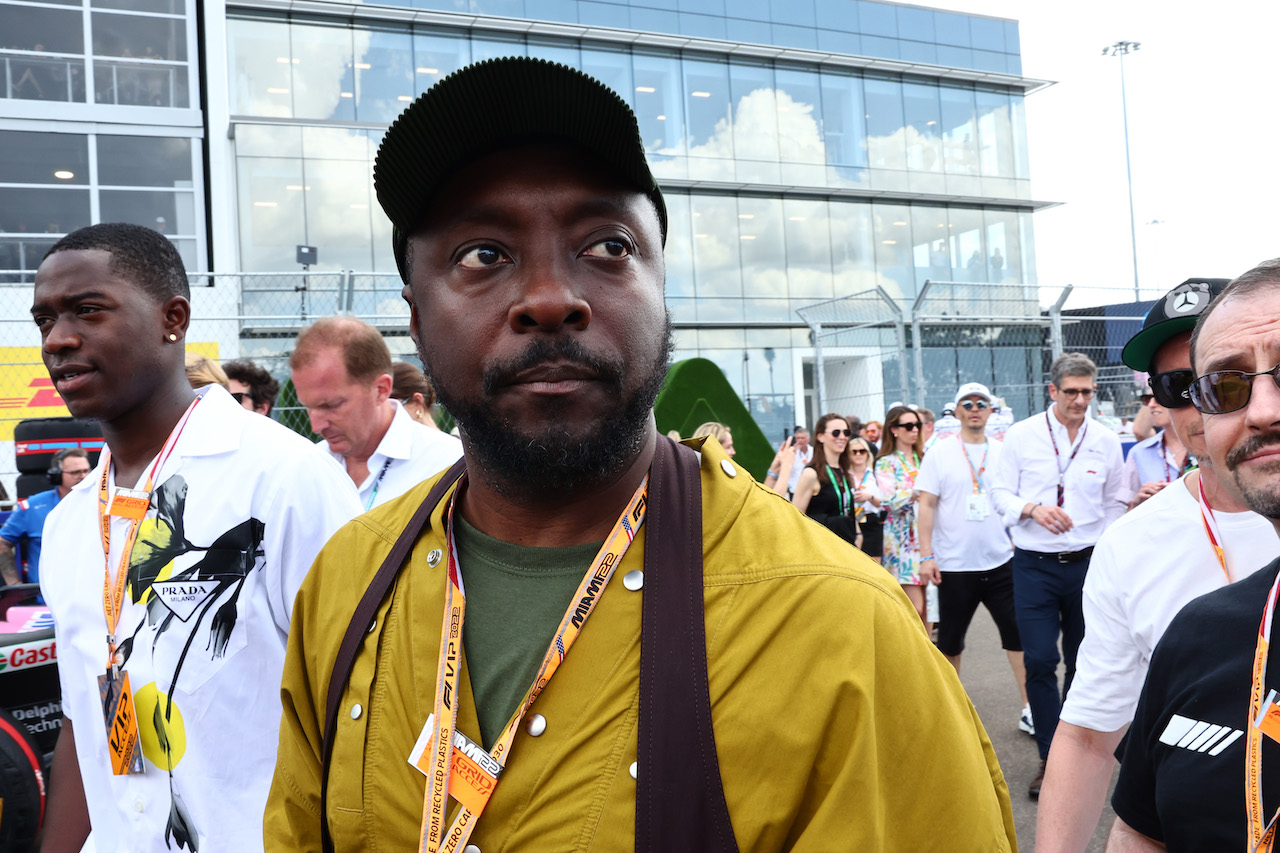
[(925, 559)]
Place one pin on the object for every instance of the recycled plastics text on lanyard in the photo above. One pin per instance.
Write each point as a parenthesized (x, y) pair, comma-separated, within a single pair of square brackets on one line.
[(1211, 529), (977, 475), (438, 760), (845, 497), (373, 493), (131, 504), (1262, 836), (1062, 469)]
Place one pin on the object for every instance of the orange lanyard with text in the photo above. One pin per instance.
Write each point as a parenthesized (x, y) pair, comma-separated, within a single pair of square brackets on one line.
[(131, 504), (1211, 529), (439, 760), (1262, 836), (977, 475)]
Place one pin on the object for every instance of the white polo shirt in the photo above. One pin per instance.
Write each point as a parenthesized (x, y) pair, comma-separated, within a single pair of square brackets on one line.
[(959, 544), (1028, 473), (408, 454), (241, 508), (1144, 569)]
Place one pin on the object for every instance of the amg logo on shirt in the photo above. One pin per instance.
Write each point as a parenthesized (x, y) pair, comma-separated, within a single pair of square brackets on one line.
[(1197, 735)]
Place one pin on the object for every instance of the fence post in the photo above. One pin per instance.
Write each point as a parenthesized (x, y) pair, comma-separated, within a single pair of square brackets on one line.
[(917, 345), (348, 290), (1055, 323), (819, 376)]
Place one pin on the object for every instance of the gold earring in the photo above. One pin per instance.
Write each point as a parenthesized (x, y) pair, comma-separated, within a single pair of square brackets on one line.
[(172, 336)]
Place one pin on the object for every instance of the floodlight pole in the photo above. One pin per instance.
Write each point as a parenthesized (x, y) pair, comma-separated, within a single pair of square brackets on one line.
[(1119, 49)]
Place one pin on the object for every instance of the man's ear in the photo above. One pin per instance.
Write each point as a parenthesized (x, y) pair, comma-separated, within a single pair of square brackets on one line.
[(176, 317)]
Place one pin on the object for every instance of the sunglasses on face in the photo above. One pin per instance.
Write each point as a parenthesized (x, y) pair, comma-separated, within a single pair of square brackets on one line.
[(1086, 393), (859, 451), (836, 433), (1146, 398), (969, 405), (240, 396), (1170, 388), (912, 425), (1226, 390)]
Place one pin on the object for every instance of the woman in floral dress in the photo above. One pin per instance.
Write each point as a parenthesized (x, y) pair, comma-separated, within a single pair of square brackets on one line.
[(896, 467)]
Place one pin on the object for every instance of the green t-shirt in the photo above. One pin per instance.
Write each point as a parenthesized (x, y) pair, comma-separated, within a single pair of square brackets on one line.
[(516, 596)]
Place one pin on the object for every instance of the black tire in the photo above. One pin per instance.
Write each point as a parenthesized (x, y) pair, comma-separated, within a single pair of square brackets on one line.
[(30, 484), (22, 787), (37, 440)]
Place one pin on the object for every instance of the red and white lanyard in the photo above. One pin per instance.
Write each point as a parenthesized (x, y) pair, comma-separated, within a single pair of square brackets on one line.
[(131, 504), (1262, 836), (437, 762), (977, 475), (1211, 529), (1062, 469)]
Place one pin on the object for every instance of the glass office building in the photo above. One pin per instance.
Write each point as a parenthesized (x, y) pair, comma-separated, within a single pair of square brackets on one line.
[(808, 149)]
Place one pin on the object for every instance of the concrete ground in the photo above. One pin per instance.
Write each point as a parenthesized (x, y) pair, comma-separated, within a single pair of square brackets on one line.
[(986, 676)]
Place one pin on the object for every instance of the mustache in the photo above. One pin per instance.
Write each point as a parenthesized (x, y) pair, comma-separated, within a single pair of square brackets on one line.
[(560, 349), (1250, 447)]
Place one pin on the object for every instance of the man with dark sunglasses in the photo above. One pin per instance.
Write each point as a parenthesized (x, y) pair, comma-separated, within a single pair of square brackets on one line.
[(1159, 460), (964, 548), (1192, 763), (1131, 593), (1057, 486)]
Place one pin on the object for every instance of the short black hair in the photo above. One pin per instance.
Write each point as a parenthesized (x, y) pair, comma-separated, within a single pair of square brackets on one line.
[(263, 387), (142, 255)]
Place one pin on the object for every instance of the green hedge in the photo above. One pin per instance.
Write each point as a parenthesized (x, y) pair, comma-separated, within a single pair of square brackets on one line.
[(696, 392)]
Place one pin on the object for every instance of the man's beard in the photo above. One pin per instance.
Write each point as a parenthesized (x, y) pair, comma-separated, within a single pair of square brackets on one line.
[(519, 462), (1264, 500)]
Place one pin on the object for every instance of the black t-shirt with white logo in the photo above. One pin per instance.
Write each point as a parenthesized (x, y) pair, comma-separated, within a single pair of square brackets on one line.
[(1182, 777)]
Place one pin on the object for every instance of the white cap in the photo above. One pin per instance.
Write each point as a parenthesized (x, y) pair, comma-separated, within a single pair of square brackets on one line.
[(971, 389)]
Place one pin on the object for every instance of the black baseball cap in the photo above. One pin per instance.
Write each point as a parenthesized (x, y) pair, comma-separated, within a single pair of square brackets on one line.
[(493, 105), (1173, 314)]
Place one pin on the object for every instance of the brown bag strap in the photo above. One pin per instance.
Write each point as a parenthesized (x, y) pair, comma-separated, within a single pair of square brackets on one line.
[(680, 802), (366, 610)]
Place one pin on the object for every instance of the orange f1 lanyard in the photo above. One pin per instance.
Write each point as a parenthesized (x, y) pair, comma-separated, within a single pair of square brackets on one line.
[(977, 475), (131, 504), (438, 760), (1211, 529), (1262, 837)]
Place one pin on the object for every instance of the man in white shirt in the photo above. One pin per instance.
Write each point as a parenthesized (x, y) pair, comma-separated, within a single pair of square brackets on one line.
[(205, 519), (803, 454), (341, 371), (1155, 462), (963, 545), (1057, 486), (1132, 592)]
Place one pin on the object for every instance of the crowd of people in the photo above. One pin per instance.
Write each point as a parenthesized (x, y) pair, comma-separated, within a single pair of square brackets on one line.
[(395, 637)]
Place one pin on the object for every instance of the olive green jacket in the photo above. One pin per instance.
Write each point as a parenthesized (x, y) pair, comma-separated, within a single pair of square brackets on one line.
[(838, 725)]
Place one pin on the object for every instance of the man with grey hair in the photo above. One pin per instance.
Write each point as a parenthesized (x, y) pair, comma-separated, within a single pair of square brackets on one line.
[(1191, 775), (1057, 486)]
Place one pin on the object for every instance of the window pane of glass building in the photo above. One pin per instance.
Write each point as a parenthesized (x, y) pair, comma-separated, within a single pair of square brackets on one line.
[(144, 161), (43, 211), (808, 249), (271, 216), (756, 111), (886, 136), (260, 59), (764, 256), (707, 120), (659, 107), (41, 54), (323, 78), (800, 121), (166, 212), (678, 253), (384, 74), (437, 56), (43, 158)]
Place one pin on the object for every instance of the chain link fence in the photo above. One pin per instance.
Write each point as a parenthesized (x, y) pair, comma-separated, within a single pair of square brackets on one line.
[(868, 350), (871, 351)]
